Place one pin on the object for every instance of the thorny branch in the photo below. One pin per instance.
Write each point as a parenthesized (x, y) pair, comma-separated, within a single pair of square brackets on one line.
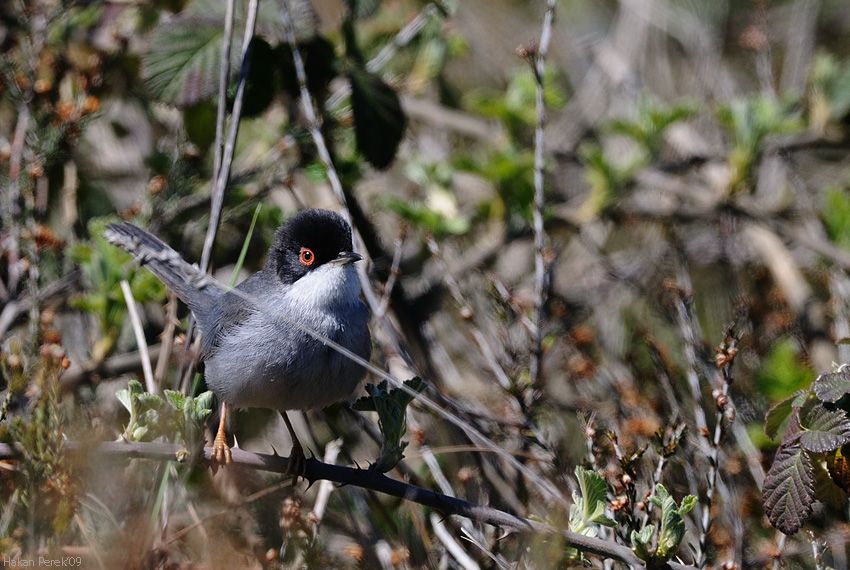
[(320, 471)]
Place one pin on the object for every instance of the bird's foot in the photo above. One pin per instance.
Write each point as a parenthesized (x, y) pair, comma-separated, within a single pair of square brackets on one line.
[(297, 465), (221, 451)]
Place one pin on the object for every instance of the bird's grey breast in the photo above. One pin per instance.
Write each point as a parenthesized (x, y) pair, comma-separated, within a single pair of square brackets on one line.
[(259, 357)]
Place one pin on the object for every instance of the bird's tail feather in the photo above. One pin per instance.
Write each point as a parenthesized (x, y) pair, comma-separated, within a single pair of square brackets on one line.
[(187, 281)]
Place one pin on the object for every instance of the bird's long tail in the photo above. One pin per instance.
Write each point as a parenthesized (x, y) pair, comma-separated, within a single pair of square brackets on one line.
[(187, 281)]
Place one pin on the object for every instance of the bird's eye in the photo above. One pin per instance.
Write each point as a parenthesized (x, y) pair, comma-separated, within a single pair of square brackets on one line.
[(306, 256)]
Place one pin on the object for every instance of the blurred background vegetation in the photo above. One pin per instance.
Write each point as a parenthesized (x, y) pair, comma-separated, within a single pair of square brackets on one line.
[(697, 177)]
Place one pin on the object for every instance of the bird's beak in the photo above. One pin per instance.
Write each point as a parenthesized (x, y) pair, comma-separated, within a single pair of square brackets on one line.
[(346, 257)]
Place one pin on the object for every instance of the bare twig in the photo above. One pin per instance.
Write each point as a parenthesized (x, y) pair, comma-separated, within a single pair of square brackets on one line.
[(223, 79), (171, 323), (456, 550), (538, 58), (325, 487), (394, 273), (725, 413), (222, 176), (140, 337)]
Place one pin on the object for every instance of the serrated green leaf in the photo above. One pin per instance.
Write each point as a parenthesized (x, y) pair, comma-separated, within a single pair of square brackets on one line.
[(642, 542), (148, 401), (176, 399), (593, 490), (135, 387), (687, 504), (182, 64), (788, 489), (830, 387), (824, 430), (379, 121)]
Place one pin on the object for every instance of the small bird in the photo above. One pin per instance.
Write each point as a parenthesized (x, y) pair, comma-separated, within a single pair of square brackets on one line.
[(253, 359)]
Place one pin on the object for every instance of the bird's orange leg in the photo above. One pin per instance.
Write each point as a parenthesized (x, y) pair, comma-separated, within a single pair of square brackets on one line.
[(221, 451)]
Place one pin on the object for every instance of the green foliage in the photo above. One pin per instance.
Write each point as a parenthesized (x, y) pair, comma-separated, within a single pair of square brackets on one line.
[(181, 419), (833, 386), (672, 528), (437, 214), (103, 266), (748, 122), (779, 413), (587, 513), (515, 106), (817, 429), (512, 172), (782, 372), (836, 215), (830, 91), (607, 180), (42, 473), (182, 64), (652, 121), (391, 406), (379, 121), (789, 491)]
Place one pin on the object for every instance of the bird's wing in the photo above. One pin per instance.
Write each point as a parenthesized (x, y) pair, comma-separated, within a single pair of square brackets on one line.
[(233, 310)]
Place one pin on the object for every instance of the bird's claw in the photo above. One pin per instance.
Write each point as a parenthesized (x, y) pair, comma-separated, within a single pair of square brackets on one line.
[(221, 452)]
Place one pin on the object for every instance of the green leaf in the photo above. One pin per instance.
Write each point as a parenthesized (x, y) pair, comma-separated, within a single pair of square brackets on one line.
[(123, 396), (593, 490), (778, 414), (642, 542), (672, 521), (148, 401), (836, 215), (588, 508), (182, 64), (391, 406), (202, 406), (688, 504), (199, 122), (824, 430), (428, 219), (788, 490), (830, 387), (379, 121), (176, 399)]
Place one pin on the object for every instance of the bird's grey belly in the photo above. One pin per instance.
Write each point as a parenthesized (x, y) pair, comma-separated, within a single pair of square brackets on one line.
[(274, 365)]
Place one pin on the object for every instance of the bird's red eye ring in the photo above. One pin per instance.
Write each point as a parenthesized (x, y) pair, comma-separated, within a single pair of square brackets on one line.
[(306, 256)]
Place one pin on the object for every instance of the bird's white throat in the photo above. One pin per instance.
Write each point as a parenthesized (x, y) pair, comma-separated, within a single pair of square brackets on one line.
[(326, 286)]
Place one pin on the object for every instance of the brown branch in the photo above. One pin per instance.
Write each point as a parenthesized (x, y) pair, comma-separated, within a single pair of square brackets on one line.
[(317, 470)]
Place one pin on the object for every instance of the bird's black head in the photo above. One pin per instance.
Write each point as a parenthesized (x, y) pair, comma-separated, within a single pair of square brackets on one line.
[(309, 240)]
